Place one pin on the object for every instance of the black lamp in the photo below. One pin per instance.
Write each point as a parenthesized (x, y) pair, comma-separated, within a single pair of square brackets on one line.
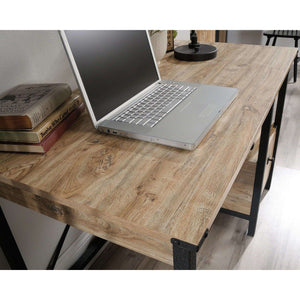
[(195, 51)]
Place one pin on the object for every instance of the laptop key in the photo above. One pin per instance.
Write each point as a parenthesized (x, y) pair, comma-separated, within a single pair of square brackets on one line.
[(169, 107), (129, 120), (154, 106)]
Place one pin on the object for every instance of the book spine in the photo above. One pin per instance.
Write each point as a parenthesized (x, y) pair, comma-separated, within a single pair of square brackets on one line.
[(57, 118), (44, 128), (45, 107), (51, 139)]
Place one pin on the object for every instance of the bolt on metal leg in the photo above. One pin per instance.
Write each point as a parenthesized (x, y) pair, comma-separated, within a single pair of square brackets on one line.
[(184, 254)]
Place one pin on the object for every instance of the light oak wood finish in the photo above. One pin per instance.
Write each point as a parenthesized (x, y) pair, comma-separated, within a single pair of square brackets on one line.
[(222, 36), (240, 196), (227, 245), (253, 154), (140, 195), (206, 36)]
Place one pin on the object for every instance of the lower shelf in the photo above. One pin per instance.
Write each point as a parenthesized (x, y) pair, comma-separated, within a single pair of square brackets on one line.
[(240, 196)]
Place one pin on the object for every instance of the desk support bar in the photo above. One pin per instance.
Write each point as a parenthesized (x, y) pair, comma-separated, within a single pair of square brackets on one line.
[(9, 245), (184, 254), (234, 213), (259, 172), (277, 124), (93, 248), (56, 253)]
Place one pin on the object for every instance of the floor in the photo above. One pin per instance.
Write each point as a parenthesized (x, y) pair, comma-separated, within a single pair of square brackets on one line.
[(276, 244)]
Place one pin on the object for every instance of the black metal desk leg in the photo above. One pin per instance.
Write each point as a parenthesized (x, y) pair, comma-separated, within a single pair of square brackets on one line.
[(9, 245), (295, 61), (184, 258), (277, 125), (58, 248), (259, 172), (184, 254)]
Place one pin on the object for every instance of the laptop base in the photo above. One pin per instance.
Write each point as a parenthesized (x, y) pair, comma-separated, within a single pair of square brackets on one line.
[(186, 125)]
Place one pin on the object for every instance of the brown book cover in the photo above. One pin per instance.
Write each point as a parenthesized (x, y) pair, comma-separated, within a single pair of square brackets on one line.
[(27, 105), (50, 139), (37, 134)]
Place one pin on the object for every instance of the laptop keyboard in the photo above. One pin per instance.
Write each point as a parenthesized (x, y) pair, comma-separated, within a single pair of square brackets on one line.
[(156, 105)]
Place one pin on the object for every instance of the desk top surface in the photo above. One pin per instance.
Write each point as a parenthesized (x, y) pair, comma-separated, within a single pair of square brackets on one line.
[(140, 194)]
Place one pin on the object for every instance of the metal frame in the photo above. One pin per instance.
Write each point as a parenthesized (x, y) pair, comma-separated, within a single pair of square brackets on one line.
[(262, 159), (57, 250), (184, 254), (16, 261), (93, 248), (260, 171), (277, 125), (259, 176), (234, 213), (9, 245)]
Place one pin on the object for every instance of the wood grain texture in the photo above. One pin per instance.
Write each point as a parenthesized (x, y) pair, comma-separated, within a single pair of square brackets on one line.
[(275, 245), (253, 154), (227, 245), (130, 191), (222, 36), (206, 35), (240, 196)]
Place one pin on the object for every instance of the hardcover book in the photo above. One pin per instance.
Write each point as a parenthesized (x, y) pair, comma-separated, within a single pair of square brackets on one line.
[(27, 105), (49, 140), (37, 134)]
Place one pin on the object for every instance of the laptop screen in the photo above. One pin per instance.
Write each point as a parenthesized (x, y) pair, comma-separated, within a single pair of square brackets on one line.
[(114, 65)]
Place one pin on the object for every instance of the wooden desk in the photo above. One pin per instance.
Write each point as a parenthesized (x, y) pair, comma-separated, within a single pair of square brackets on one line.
[(142, 195)]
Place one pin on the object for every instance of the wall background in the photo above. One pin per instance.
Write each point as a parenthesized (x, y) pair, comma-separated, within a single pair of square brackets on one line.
[(34, 57), (243, 37)]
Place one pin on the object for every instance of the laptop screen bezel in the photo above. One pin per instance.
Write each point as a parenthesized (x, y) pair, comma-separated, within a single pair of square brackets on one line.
[(82, 88)]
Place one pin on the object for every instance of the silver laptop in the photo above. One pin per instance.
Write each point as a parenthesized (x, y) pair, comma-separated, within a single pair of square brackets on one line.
[(124, 94)]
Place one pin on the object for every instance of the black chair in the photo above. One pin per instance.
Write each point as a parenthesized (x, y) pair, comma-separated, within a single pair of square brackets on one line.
[(292, 34)]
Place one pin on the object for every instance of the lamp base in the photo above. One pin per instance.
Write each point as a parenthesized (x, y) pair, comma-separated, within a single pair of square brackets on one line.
[(203, 52)]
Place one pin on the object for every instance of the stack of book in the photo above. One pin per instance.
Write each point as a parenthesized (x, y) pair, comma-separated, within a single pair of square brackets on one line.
[(33, 117)]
